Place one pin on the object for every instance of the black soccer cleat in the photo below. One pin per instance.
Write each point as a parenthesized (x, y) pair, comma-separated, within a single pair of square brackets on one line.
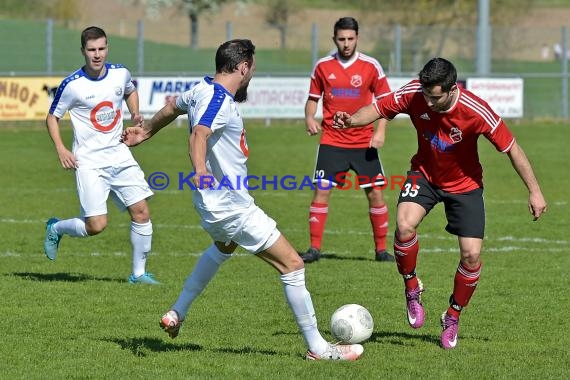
[(311, 255), (384, 256)]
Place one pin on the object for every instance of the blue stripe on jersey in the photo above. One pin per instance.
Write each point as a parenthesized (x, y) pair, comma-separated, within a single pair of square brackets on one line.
[(214, 106), (76, 75)]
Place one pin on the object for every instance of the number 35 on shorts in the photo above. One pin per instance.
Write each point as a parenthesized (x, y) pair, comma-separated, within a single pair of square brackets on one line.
[(410, 190)]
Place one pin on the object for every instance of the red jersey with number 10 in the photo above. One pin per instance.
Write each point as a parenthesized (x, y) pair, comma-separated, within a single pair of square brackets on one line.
[(347, 86), (447, 141)]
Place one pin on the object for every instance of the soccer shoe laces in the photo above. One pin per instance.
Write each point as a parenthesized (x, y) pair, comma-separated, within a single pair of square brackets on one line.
[(416, 293), (448, 321)]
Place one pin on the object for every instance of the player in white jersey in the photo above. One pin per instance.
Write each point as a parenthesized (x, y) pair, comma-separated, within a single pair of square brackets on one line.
[(219, 153), (103, 165)]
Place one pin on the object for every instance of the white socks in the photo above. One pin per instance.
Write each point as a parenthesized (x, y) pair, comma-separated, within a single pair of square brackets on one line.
[(74, 227), (141, 240), (203, 272), (301, 305)]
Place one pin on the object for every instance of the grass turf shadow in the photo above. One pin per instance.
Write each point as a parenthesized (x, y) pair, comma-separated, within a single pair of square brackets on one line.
[(62, 277)]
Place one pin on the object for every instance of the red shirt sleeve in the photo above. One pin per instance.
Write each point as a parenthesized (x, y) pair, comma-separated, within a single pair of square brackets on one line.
[(397, 102)]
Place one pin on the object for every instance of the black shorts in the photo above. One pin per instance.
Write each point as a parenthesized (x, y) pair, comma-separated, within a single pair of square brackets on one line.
[(465, 212), (333, 164)]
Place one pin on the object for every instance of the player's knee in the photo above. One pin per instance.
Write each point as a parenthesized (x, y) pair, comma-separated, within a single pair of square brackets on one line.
[(293, 263), (95, 229), (405, 231), (95, 226), (471, 259)]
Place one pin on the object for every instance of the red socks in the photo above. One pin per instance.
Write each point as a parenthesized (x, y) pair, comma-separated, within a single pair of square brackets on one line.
[(464, 285), (406, 254), (317, 219), (379, 221)]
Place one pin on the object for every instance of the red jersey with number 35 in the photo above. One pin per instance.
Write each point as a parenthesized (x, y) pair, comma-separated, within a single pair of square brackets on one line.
[(347, 86), (447, 141)]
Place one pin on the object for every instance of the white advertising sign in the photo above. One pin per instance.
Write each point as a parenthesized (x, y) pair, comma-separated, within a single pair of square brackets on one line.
[(284, 98), (276, 98), (154, 92), (504, 95)]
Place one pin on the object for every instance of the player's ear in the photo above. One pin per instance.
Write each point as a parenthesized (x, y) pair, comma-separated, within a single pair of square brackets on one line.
[(453, 89), (244, 68)]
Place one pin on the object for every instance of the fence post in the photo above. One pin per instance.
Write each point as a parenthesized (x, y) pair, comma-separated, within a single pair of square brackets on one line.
[(483, 39), (564, 60), (397, 48), (49, 46), (314, 44), (140, 47), (229, 30)]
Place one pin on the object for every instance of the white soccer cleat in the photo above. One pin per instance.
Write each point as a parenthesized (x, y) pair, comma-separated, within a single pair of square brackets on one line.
[(170, 323), (348, 352)]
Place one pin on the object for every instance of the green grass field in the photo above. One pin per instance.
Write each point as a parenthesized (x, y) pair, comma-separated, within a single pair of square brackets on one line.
[(78, 318)]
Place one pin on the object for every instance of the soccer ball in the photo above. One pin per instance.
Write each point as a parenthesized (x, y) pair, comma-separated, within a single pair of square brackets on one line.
[(351, 324)]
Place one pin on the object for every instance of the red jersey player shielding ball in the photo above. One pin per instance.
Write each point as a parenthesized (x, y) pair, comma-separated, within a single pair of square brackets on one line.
[(446, 168), (346, 80)]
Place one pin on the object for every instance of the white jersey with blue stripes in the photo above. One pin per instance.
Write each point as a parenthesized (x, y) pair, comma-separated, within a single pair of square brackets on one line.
[(209, 104), (95, 108)]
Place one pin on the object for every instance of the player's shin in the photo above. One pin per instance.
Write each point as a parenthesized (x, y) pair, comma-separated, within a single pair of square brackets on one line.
[(301, 304), (203, 272), (406, 254), (141, 241), (464, 285)]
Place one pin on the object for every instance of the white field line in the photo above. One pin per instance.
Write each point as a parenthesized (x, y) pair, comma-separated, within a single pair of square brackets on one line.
[(10, 254), (515, 243), (442, 236)]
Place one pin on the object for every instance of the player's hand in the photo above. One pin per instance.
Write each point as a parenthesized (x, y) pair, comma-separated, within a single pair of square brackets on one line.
[(67, 159), (137, 120), (133, 136), (341, 120), (313, 126), (536, 205), (204, 180), (377, 140)]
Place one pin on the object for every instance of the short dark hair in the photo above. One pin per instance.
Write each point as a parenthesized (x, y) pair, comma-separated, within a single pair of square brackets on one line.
[(346, 23), (231, 53), (438, 72), (91, 33)]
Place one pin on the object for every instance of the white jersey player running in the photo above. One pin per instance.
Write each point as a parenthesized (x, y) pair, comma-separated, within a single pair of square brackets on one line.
[(218, 148), (103, 165)]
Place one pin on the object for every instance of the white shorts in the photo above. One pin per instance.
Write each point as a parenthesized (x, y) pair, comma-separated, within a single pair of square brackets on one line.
[(126, 184), (250, 227)]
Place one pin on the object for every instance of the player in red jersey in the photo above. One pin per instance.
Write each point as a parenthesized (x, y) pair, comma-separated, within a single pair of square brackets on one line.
[(346, 80), (446, 168)]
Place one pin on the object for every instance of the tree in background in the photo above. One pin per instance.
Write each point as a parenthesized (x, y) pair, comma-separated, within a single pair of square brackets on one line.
[(193, 8), (277, 16)]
